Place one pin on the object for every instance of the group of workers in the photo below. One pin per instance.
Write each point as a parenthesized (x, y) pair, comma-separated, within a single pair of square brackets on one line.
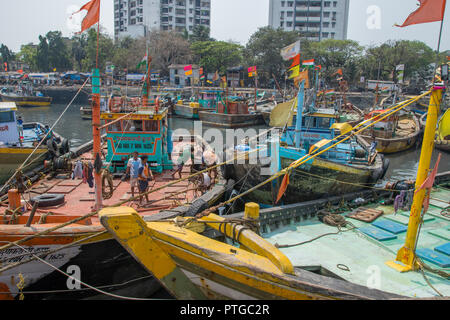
[(140, 174)]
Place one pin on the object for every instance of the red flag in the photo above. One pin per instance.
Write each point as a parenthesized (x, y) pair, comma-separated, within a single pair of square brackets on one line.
[(428, 184), (295, 61), (93, 15), (283, 187), (429, 11)]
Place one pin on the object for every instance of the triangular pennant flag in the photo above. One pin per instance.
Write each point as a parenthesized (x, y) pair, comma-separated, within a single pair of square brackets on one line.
[(283, 187), (428, 11), (93, 15), (428, 185), (295, 72), (295, 61)]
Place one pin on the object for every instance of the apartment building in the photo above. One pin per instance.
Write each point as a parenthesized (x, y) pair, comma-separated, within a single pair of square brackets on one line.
[(314, 19), (137, 17)]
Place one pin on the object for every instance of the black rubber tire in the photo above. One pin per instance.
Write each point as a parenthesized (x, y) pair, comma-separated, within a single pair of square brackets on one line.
[(65, 147), (48, 200)]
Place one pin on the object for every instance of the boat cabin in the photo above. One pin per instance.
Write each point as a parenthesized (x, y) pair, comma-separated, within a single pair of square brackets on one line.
[(9, 135), (144, 131)]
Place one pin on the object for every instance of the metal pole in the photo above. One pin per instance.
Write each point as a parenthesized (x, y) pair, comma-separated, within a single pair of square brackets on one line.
[(406, 254)]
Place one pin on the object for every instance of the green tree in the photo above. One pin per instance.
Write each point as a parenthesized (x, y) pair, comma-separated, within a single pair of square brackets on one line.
[(78, 50), (263, 50), (28, 55), (7, 55), (58, 55), (166, 48), (42, 61), (334, 54), (200, 33), (383, 59), (217, 55), (105, 51)]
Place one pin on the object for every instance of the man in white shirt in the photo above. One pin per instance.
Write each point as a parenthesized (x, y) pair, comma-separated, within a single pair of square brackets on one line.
[(133, 170)]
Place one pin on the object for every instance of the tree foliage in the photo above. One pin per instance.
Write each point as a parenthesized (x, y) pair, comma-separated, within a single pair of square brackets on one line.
[(263, 50), (217, 55), (58, 56), (6, 54)]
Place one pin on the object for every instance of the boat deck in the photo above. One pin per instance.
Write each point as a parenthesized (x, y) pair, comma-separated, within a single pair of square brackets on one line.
[(359, 256), (79, 197)]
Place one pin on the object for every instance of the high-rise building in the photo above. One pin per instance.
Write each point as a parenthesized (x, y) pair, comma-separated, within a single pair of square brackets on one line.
[(136, 17), (314, 19)]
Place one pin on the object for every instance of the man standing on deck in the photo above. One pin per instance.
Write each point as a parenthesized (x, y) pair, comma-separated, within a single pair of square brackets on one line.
[(145, 175), (133, 170), (20, 127)]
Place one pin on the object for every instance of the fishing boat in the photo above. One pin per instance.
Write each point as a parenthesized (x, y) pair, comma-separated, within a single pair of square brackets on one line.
[(56, 230), (25, 96), (346, 168), (190, 110), (17, 144), (396, 133), (363, 245), (233, 112), (442, 141)]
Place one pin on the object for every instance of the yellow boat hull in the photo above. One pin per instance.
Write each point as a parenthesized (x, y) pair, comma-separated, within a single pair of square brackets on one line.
[(192, 266)]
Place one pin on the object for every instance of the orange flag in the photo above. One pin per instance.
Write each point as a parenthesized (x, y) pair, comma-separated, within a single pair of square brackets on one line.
[(295, 61), (93, 15), (283, 187), (302, 76), (429, 11)]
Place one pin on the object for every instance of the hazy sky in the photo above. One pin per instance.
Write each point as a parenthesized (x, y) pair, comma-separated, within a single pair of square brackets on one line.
[(22, 21)]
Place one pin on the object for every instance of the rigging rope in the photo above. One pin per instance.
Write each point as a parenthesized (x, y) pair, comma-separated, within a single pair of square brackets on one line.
[(40, 143), (213, 209)]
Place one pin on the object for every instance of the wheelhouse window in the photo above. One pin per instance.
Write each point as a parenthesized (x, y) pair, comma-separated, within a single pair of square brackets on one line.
[(7, 116), (114, 127), (151, 125)]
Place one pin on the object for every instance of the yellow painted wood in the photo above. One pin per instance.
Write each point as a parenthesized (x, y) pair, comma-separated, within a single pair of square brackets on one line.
[(251, 211), (21, 150), (406, 254), (131, 231), (254, 242)]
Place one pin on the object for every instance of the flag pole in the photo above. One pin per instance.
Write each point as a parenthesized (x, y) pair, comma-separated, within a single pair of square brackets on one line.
[(438, 47), (96, 128)]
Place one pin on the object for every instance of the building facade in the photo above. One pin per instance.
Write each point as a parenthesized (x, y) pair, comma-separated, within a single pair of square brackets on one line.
[(137, 17), (315, 19)]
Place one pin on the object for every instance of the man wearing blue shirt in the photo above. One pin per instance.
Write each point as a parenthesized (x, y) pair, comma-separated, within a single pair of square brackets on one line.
[(20, 127), (133, 170)]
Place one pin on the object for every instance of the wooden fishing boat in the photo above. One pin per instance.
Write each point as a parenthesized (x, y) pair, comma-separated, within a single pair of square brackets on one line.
[(292, 253), (191, 110), (81, 249), (344, 247), (16, 147), (86, 112), (25, 96), (232, 113), (394, 134), (346, 168)]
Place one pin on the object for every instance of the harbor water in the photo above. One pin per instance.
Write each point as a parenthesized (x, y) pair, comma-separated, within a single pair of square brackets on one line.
[(402, 165)]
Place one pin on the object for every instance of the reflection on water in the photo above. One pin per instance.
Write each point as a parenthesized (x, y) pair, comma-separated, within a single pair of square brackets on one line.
[(402, 166)]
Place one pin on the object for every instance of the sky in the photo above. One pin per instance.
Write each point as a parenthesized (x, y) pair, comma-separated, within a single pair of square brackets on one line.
[(370, 21)]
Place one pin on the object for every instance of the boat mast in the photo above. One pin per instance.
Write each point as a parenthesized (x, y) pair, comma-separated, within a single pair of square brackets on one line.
[(96, 130), (298, 124), (406, 255)]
